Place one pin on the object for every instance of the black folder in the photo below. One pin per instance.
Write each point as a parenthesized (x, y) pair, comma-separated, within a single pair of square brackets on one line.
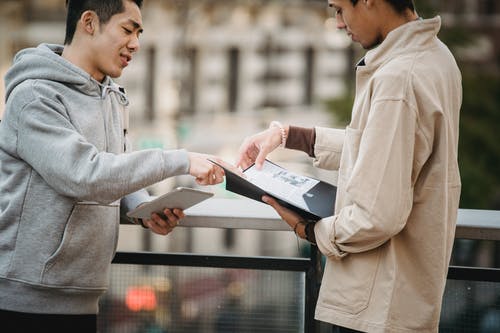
[(311, 198)]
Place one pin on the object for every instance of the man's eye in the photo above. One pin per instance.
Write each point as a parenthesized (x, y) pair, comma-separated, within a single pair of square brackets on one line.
[(127, 30)]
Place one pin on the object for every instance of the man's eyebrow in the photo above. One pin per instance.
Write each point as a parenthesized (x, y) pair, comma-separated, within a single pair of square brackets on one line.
[(331, 4), (136, 25), (333, 7)]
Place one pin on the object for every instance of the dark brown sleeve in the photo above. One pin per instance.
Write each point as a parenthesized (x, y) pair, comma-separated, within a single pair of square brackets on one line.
[(309, 231), (301, 138)]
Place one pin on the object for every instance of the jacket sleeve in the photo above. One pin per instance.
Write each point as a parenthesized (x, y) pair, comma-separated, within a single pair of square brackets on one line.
[(379, 194), (51, 145), (328, 148)]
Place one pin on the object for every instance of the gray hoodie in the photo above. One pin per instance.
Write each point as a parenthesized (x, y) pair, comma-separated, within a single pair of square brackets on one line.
[(64, 166)]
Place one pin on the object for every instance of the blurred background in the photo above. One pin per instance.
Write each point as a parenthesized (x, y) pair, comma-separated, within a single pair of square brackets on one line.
[(211, 72)]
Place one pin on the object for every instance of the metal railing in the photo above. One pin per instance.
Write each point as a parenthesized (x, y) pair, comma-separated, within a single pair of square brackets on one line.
[(248, 214)]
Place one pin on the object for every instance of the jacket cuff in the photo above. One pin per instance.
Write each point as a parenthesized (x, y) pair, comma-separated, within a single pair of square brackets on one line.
[(324, 231)]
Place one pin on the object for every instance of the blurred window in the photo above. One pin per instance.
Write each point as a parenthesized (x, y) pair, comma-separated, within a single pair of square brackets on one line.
[(45, 10)]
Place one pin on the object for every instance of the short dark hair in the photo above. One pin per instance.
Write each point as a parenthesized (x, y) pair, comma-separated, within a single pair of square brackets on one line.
[(103, 8), (399, 5)]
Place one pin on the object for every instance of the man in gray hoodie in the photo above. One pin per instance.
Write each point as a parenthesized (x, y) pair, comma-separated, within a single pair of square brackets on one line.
[(66, 168)]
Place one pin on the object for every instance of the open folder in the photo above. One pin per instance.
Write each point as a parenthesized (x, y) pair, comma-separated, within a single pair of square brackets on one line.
[(311, 198)]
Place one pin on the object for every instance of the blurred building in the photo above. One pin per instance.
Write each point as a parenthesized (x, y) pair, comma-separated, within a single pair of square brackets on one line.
[(211, 72), (207, 61), (481, 18)]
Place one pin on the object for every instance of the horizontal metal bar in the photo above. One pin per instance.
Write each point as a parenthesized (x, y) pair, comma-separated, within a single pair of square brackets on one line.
[(474, 274), (194, 260), (271, 263)]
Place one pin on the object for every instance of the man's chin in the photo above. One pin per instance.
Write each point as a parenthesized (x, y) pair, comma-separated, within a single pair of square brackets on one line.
[(372, 45), (115, 74)]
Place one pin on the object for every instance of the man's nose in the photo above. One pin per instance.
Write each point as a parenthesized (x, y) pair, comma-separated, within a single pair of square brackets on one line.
[(340, 22), (134, 44)]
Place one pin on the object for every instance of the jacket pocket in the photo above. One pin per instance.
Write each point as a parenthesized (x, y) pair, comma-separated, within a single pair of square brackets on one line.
[(87, 247), (350, 152), (351, 281)]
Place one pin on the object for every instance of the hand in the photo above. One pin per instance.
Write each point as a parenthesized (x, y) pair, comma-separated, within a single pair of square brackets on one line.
[(163, 225), (256, 147), (290, 217), (205, 172)]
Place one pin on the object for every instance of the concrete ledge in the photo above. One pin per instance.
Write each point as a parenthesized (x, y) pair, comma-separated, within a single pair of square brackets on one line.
[(249, 214)]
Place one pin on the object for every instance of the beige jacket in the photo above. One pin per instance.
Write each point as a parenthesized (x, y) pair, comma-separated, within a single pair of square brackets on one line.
[(388, 245)]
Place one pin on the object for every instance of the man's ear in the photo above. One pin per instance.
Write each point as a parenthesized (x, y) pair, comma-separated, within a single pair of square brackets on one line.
[(369, 3), (89, 21)]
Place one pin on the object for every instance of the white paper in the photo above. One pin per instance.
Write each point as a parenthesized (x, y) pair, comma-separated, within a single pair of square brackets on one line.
[(281, 183)]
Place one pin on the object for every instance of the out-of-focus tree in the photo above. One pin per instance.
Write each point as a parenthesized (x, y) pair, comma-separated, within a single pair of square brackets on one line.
[(479, 148)]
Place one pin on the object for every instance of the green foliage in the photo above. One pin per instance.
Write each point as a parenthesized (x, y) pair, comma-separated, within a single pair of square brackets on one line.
[(341, 108), (456, 37), (425, 9), (479, 144)]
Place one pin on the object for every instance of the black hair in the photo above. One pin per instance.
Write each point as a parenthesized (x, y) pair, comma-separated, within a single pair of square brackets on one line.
[(104, 9), (399, 5)]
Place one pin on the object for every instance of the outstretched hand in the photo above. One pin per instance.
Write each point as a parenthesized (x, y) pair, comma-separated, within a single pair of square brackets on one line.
[(204, 171), (255, 148)]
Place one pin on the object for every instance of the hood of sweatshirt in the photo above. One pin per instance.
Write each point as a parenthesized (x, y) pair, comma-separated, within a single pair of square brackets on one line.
[(46, 63)]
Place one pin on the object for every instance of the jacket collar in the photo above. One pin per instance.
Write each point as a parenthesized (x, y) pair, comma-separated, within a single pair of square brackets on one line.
[(412, 36)]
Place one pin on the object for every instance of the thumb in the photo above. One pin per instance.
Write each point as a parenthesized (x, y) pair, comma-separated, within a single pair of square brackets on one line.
[(276, 206), (271, 202)]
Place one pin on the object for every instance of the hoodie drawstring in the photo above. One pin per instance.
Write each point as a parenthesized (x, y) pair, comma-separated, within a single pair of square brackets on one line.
[(122, 97), (113, 87)]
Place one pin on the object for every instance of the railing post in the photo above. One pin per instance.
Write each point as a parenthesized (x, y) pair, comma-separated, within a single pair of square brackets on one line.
[(313, 281)]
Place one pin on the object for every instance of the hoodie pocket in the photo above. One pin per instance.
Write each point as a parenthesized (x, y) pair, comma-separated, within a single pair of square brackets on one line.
[(84, 255)]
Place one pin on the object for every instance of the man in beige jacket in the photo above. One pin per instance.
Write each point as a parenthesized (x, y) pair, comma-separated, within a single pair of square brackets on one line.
[(389, 243)]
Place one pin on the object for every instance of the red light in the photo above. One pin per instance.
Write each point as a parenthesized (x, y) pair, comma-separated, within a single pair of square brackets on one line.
[(141, 298)]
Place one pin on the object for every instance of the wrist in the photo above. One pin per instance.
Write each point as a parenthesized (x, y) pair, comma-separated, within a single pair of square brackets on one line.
[(282, 130), (305, 230), (300, 229)]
